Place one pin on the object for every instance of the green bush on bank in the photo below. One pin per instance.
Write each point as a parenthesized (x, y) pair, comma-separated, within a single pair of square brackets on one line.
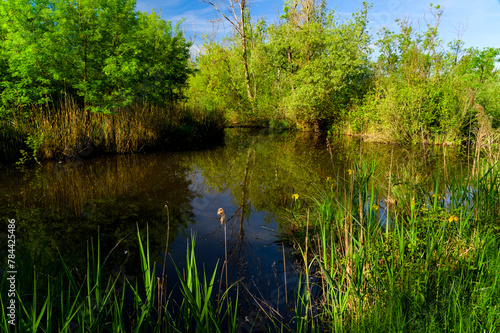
[(90, 71), (313, 69), (306, 69), (423, 93)]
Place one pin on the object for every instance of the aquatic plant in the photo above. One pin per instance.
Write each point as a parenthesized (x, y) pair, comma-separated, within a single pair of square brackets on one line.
[(62, 300), (432, 266), (67, 130)]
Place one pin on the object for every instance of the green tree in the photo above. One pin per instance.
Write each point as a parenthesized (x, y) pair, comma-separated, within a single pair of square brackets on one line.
[(26, 31), (102, 52), (238, 16), (163, 60), (423, 92), (308, 68), (320, 59)]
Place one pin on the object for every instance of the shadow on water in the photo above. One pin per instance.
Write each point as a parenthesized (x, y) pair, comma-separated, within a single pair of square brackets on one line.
[(252, 177)]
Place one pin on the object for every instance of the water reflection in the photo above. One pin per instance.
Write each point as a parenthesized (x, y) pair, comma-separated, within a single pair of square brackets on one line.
[(62, 207), (252, 177)]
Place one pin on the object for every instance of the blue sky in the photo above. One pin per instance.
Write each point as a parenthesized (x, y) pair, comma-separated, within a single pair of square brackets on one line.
[(476, 21)]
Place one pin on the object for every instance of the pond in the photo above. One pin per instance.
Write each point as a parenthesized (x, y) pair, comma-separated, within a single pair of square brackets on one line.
[(62, 206)]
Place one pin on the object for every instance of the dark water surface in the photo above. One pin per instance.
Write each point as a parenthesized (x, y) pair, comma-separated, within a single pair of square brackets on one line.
[(61, 206)]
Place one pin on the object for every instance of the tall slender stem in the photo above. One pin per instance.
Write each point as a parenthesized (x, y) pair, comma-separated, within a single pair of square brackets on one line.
[(388, 201), (225, 252)]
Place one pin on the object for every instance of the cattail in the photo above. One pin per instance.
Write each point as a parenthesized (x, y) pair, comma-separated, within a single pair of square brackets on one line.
[(222, 215)]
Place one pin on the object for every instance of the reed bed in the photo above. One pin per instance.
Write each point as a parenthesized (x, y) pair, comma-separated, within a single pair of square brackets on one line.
[(404, 257), (401, 259), (66, 300), (66, 129)]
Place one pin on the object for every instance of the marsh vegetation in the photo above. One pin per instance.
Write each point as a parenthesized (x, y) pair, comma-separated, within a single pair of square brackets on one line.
[(315, 244), (318, 231), (124, 79)]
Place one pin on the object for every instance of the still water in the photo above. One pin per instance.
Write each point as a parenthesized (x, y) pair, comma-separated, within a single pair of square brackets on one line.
[(64, 206)]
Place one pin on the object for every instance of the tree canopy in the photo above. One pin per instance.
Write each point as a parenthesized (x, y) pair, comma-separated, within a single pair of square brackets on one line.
[(103, 53), (317, 69)]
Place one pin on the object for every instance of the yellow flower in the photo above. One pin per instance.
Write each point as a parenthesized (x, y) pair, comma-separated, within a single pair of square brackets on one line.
[(295, 196), (374, 207), (350, 171), (328, 178), (452, 218), (413, 201), (456, 218)]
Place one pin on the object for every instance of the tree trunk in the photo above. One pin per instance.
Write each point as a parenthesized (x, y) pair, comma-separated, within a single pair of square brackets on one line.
[(244, 48), (239, 25)]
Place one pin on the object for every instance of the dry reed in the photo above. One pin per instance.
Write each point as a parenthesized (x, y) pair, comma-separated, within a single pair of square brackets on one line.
[(67, 129)]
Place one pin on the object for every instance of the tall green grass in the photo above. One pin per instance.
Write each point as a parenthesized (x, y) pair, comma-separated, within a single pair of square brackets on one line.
[(408, 257), (59, 299), (425, 260)]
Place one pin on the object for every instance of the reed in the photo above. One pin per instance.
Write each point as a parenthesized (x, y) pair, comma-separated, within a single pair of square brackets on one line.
[(66, 129), (54, 297), (433, 266)]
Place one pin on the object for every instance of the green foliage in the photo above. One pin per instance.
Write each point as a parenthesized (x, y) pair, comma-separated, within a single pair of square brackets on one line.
[(162, 60), (313, 69), (33, 144), (308, 68), (99, 56), (422, 92), (319, 61), (488, 96), (218, 81), (435, 269), (104, 53)]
